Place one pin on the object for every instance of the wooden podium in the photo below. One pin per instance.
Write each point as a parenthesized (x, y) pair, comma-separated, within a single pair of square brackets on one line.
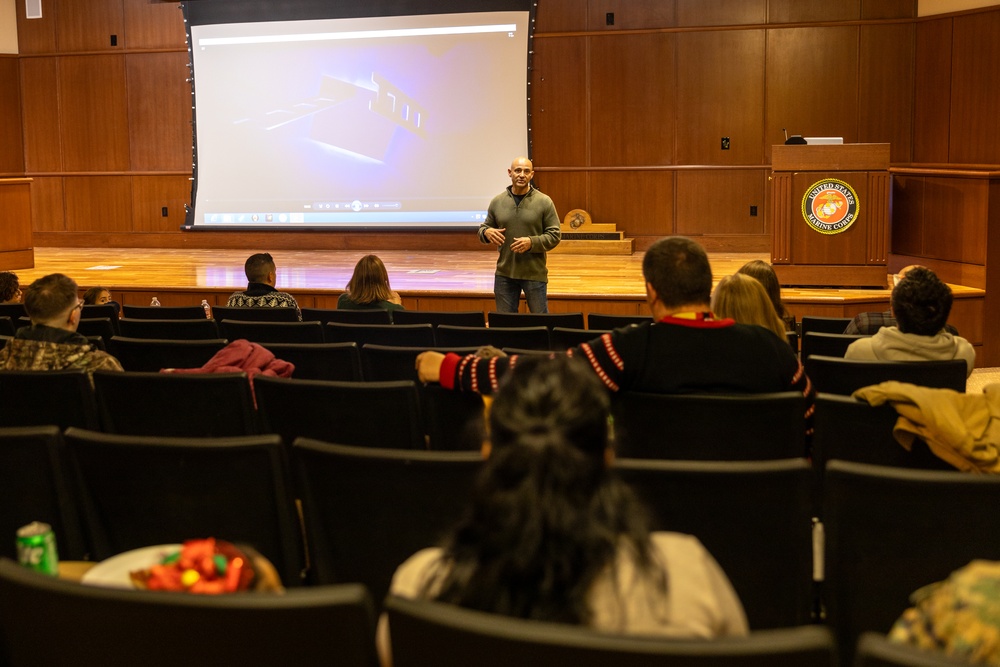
[(16, 250), (830, 215)]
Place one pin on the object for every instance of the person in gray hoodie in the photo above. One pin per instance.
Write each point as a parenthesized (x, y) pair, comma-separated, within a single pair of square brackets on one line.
[(920, 303)]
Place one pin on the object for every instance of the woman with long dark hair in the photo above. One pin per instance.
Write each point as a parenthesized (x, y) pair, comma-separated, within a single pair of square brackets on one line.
[(552, 534)]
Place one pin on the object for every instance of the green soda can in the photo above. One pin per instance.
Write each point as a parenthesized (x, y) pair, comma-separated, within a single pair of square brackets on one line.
[(36, 548)]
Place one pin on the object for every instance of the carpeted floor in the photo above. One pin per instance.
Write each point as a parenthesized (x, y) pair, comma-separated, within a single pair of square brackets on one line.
[(980, 378)]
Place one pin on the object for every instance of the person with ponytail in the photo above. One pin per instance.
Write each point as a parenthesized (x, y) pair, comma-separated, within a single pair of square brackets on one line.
[(552, 534)]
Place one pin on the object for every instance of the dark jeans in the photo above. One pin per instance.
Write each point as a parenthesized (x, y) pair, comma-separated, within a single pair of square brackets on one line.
[(508, 293)]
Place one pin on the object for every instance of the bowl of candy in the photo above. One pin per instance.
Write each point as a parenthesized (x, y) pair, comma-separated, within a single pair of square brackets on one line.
[(199, 566)]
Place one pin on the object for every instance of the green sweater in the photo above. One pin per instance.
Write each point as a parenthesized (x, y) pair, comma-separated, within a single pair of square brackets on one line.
[(534, 217)]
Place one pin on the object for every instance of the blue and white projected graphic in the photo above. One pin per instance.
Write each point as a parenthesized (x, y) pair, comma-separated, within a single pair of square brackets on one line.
[(394, 121)]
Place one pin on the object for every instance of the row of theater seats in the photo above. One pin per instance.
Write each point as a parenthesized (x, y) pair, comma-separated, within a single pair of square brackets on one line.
[(395, 411), (889, 531), (102, 331), (336, 624)]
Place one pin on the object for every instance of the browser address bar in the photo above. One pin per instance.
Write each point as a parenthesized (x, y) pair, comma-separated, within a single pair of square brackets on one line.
[(359, 34)]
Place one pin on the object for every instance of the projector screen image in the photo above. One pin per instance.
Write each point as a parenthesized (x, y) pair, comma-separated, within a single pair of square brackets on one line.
[(383, 122)]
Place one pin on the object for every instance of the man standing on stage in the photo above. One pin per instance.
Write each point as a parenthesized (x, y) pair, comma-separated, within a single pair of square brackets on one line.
[(523, 224)]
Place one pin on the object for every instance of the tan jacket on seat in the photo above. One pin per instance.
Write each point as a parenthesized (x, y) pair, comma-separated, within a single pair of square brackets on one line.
[(962, 429)]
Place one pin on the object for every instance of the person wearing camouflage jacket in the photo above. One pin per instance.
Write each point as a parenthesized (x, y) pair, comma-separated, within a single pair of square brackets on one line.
[(51, 342)]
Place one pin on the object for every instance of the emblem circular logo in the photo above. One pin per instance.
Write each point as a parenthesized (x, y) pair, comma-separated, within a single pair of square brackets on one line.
[(830, 206)]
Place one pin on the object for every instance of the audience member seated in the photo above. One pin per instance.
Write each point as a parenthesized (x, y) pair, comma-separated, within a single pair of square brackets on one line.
[(51, 342), (742, 298), (262, 276), (10, 288), (99, 296), (553, 534), (920, 303), (369, 287), (959, 617), (868, 324), (765, 275), (683, 349)]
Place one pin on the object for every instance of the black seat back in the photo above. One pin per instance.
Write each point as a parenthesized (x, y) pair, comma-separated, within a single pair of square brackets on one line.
[(405, 335), (717, 427), (36, 485), (754, 517), (39, 398), (162, 312), (175, 404), (413, 498), (372, 414), (464, 318), (272, 332), (457, 637), (220, 313), (320, 361), (151, 355), (833, 375), (367, 316), (139, 491), (170, 329), (890, 531), (252, 630)]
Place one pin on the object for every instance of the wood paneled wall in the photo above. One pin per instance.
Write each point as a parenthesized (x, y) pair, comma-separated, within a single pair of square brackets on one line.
[(628, 112)]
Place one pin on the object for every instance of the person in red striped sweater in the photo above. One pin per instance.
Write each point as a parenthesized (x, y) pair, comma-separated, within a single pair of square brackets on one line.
[(685, 349)]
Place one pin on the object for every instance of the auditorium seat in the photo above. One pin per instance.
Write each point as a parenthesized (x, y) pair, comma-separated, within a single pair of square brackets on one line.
[(452, 420), (709, 426), (320, 361), (834, 325), (198, 328), (852, 430), (876, 650), (606, 322), (151, 355), (100, 310), (368, 414), (7, 327), (383, 363), (827, 344), (55, 622), (549, 320), (562, 338), (14, 311), (162, 312), (365, 316), (467, 318), (367, 510), (405, 335), (139, 491), (531, 338), (272, 332), (98, 327), (39, 398), (458, 637), (754, 517), (220, 313), (834, 375), (891, 531), (36, 485), (175, 404)]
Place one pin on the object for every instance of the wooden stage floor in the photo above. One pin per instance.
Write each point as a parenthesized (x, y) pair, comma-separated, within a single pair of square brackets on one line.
[(454, 272)]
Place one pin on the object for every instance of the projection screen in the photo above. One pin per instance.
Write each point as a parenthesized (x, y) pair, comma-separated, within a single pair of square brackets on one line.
[(308, 115)]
